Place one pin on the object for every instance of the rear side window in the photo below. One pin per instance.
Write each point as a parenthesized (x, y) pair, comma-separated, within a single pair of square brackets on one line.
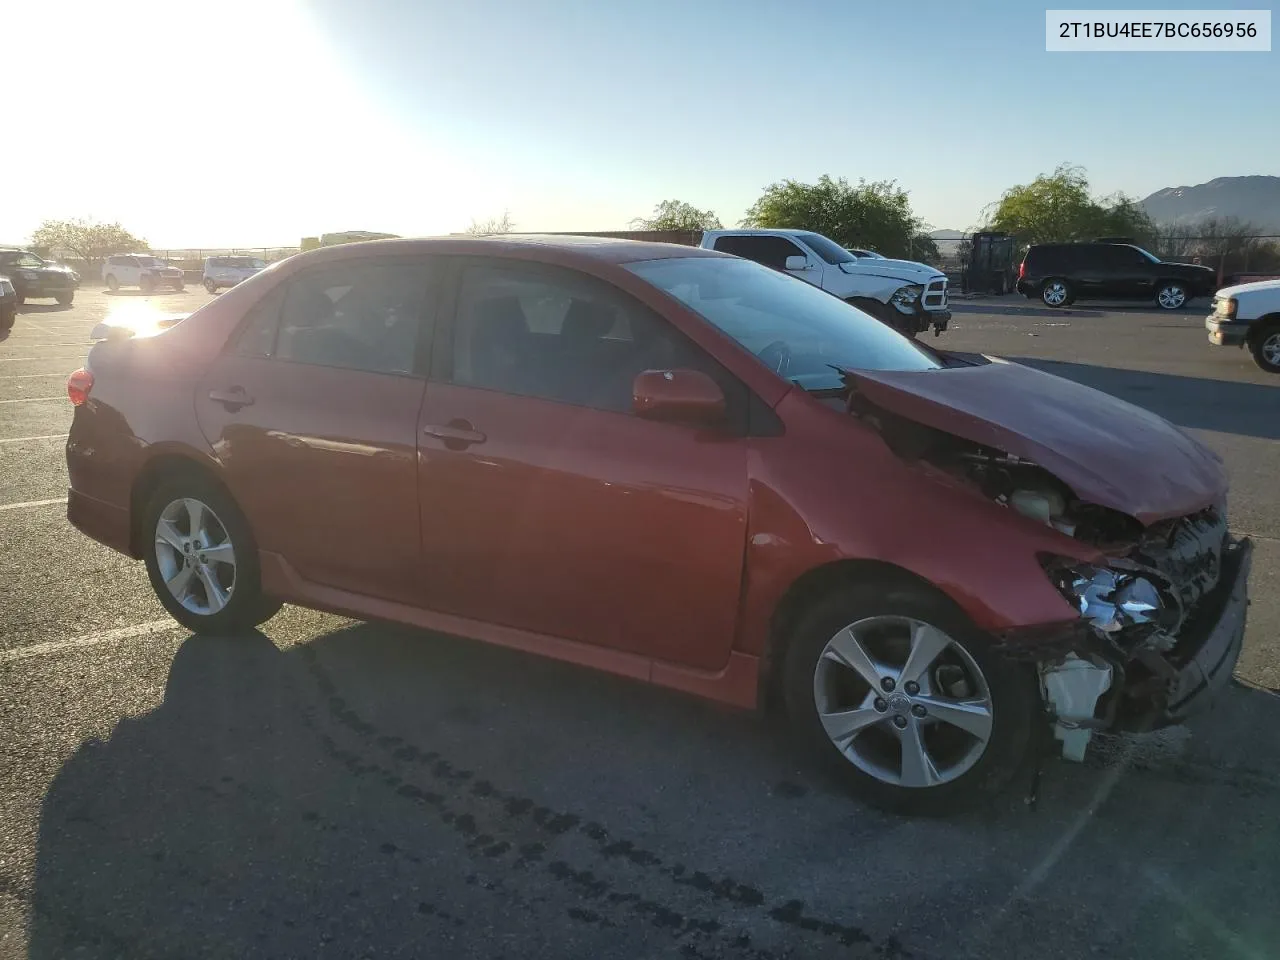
[(257, 335), (771, 251), (362, 315)]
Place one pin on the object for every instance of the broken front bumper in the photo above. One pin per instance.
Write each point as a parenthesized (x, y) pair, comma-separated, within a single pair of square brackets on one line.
[(1202, 663)]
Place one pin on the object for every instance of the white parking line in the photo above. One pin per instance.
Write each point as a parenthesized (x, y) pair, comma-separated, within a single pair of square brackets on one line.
[(29, 376), (44, 436), (29, 359), (107, 636), (32, 503), (31, 399)]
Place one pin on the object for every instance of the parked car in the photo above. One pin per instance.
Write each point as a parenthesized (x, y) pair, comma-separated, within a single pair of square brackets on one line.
[(681, 467), (8, 304), (910, 297), (1061, 273), (141, 270), (220, 272), (1249, 315), (33, 277)]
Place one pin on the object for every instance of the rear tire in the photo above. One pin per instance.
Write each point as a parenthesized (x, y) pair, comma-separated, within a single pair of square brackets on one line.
[(201, 557), (920, 711), (211, 286), (180, 288), (8, 318), (1265, 347)]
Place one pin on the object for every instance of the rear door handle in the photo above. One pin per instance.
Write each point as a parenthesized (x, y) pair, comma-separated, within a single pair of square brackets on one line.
[(456, 434), (232, 399)]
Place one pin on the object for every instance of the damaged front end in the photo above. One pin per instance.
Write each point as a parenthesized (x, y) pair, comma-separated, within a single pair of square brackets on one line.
[(1162, 610), (1159, 634)]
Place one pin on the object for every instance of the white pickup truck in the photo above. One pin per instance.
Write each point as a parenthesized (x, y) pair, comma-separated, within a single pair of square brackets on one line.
[(911, 297), (1249, 315)]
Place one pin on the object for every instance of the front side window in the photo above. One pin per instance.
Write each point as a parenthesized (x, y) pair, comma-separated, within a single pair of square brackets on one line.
[(802, 333), (359, 315), (762, 248), (557, 334)]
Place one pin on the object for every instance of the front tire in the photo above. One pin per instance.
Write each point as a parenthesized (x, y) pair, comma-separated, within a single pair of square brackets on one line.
[(146, 285), (1172, 295), (8, 318), (211, 286), (905, 700), (201, 557), (66, 299), (1056, 293), (1265, 347), (112, 283)]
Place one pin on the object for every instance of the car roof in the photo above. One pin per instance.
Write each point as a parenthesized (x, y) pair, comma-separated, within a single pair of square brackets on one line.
[(565, 249), (761, 232)]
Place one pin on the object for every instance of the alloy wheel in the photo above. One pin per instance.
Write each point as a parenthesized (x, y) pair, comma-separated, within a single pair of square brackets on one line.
[(1270, 349), (1055, 293), (1172, 297), (195, 556), (902, 701)]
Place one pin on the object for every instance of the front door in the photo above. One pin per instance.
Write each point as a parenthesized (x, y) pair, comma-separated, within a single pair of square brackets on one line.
[(313, 412), (546, 504)]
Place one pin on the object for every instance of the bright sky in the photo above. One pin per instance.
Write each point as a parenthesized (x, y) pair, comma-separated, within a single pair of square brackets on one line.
[(256, 123)]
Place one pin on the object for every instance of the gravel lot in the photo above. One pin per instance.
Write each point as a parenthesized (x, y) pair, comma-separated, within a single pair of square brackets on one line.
[(340, 789)]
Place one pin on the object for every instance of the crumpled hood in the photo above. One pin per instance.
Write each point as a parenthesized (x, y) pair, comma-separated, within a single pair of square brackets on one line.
[(906, 270), (1107, 451)]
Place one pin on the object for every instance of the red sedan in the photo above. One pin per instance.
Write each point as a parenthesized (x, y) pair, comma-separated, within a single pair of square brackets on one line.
[(682, 467)]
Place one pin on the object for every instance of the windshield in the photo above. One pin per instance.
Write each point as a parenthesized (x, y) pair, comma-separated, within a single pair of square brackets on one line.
[(1146, 253), (150, 262), (866, 254), (806, 335), (828, 250), (248, 263)]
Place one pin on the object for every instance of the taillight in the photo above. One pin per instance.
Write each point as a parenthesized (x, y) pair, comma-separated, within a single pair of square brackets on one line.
[(78, 386), (1022, 269)]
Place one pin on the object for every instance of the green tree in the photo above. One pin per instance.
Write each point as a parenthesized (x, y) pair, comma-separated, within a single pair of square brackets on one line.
[(88, 240), (678, 215), (1059, 207), (874, 215)]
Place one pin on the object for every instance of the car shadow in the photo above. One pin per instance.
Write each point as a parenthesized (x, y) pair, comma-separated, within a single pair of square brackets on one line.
[(1018, 310), (30, 307), (386, 792), (164, 291), (1246, 409)]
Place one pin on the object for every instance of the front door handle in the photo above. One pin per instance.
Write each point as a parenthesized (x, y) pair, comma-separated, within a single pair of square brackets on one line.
[(233, 399), (456, 434)]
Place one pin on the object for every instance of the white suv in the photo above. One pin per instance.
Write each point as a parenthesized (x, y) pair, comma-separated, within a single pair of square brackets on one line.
[(222, 272), (140, 270)]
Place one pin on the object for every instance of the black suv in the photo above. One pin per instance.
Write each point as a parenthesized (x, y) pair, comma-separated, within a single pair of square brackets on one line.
[(1059, 273), (34, 277)]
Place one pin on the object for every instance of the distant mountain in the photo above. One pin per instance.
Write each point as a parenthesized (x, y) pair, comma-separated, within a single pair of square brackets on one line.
[(947, 234), (1254, 200)]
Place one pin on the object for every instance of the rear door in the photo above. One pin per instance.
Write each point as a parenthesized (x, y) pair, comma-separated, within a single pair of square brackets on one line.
[(547, 505), (313, 413)]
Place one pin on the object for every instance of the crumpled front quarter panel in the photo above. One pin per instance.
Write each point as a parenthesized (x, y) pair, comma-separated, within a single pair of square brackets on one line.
[(829, 489)]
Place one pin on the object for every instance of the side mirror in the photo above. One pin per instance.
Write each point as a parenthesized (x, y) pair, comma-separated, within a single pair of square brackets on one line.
[(686, 395), (797, 263)]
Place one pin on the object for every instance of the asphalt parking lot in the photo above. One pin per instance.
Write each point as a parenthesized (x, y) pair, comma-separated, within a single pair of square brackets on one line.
[(330, 788)]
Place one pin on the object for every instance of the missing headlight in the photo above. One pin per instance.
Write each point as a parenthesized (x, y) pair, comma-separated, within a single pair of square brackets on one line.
[(1113, 600)]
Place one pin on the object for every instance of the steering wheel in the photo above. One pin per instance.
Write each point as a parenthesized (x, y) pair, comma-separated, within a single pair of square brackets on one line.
[(778, 356)]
